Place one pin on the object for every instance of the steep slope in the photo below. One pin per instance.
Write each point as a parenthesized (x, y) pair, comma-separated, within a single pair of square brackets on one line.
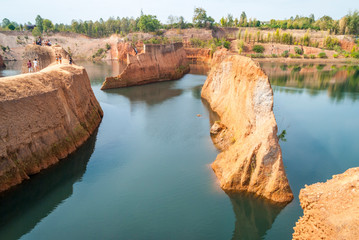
[(157, 63), (251, 158), (44, 117)]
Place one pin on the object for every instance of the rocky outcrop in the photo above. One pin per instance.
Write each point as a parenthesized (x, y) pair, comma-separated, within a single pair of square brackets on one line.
[(251, 158), (45, 55), (330, 209), (157, 63), (2, 64), (120, 50), (44, 117)]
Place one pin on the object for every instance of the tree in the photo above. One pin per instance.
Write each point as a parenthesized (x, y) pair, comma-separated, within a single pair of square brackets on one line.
[(148, 23), (11, 27), (39, 23), (36, 32), (5, 22), (47, 25), (201, 20)]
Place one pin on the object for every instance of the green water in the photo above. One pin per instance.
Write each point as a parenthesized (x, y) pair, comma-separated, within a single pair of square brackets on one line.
[(145, 174)]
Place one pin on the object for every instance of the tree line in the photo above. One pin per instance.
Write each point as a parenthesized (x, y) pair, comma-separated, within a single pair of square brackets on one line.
[(349, 24)]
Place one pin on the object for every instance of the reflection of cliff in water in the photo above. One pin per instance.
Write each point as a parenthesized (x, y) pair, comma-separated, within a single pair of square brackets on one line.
[(151, 94), (26, 204), (107, 68), (254, 216), (341, 81)]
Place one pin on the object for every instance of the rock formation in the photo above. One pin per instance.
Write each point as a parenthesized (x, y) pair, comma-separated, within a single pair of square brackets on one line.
[(251, 160), (44, 117), (44, 54), (330, 209), (120, 50), (2, 64), (157, 63)]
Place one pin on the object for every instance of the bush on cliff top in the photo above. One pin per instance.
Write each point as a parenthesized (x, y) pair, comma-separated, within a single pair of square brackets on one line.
[(258, 48)]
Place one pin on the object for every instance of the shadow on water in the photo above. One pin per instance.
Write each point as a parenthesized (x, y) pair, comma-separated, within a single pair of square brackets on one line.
[(28, 203), (151, 94), (340, 81), (254, 216)]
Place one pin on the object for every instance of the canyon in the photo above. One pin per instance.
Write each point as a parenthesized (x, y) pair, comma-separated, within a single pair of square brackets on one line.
[(45, 116)]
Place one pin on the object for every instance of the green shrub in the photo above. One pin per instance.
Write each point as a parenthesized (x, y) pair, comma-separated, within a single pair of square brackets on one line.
[(257, 55), (285, 54), (322, 55), (306, 56), (294, 55), (335, 55), (346, 55), (258, 48), (108, 46), (312, 56), (274, 55), (355, 54), (298, 50)]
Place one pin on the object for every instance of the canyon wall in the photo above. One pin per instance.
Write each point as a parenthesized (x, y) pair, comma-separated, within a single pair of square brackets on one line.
[(45, 55), (156, 63), (2, 64), (330, 209), (251, 158), (44, 117)]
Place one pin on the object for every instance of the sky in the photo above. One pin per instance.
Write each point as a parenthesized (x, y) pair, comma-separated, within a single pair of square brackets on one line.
[(64, 11)]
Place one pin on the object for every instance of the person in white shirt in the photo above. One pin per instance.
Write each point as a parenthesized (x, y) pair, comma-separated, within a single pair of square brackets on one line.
[(36, 68)]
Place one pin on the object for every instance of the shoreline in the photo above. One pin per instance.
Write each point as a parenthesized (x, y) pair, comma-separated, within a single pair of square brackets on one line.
[(301, 60)]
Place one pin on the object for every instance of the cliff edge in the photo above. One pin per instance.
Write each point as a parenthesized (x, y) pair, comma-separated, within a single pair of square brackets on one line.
[(251, 158), (156, 63), (330, 209), (44, 117)]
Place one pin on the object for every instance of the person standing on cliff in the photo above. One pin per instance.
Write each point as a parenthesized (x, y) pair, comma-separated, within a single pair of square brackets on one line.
[(36, 68), (57, 59), (29, 66), (60, 58)]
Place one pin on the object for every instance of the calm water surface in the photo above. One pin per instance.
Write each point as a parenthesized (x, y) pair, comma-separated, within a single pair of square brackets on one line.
[(145, 174)]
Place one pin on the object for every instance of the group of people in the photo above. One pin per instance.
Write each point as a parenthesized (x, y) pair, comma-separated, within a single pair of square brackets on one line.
[(46, 42), (34, 66)]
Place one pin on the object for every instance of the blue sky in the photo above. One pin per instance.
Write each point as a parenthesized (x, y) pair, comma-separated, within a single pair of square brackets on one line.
[(64, 11)]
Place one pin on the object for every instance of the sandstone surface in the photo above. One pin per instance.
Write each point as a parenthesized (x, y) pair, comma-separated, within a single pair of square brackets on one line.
[(331, 209), (156, 63), (44, 117), (251, 158)]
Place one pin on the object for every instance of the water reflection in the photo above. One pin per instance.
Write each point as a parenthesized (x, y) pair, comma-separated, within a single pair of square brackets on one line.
[(151, 94), (12, 68), (26, 204), (254, 216), (341, 81)]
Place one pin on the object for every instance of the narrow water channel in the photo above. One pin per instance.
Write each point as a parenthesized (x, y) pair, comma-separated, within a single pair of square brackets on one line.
[(145, 174)]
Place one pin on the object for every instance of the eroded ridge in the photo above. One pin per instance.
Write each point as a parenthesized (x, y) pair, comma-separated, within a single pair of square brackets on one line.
[(251, 158)]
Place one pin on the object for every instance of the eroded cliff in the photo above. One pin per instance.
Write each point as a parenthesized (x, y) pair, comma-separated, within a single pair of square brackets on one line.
[(156, 63), (251, 158), (45, 55), (2, 64), (330, 209), (44, 117)]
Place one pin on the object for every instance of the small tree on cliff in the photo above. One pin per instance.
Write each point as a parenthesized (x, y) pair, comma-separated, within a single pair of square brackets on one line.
[(148, 23)]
